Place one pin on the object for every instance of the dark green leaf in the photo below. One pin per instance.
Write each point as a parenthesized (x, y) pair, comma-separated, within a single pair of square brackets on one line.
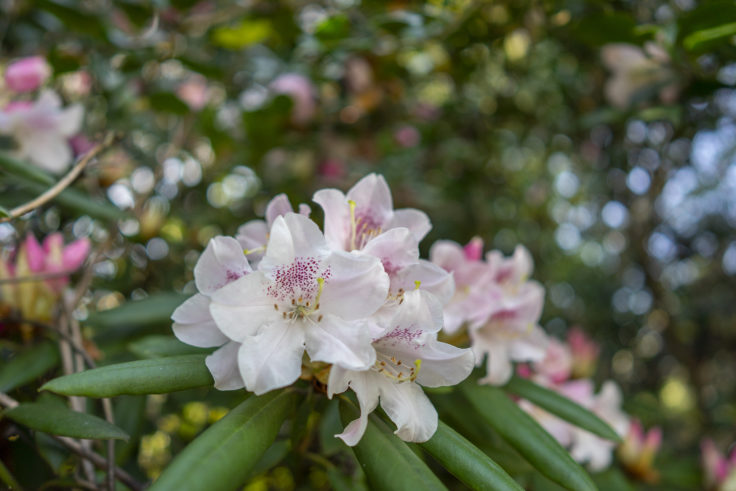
[(58, 419), (7, 478), (153, 311), (27, 366), (466, 462), (158, 346), (168, 102), (25, 170), (561, 406), (156, 376), (527, 437), (699, 39), (221, 458), (387, 461)]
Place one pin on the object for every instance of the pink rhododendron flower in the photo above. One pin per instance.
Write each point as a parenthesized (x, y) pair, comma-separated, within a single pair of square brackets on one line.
[(27, 74), (556, 366), (353, 220), (584, 352), (303, 296), (194, 92), (301, 91), (407, 355), (719, 471), (42, 130), (638, 450), (407, 136)]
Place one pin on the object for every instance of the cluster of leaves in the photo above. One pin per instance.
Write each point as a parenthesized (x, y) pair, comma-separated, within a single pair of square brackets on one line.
[(510, 138)]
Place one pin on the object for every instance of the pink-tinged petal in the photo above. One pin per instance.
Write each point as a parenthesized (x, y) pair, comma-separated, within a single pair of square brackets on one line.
[(357, 286), (293, 236), (27, 74), (397, 248), (337, 217), (653, 439), (530, 346), (53, 243), (474, 249), (347, 344), (431, 278), (523, 264), (367, 393), (48, 150), (272, 358), (34, 254), (498, 364), (278, 206), (69, 120), (447, 255), (222, 262), (75, 253), (373, 203), (420, 311), (444, 364), (409, 408), (223, 365), (305, 210), (194, 325), (242, 307), (416, 221), (301, 91), (580, 391), (590, 449), (253, 236), (557, 363)]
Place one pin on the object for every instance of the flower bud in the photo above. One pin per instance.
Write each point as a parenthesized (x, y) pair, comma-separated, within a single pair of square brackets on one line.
[(27, 74)]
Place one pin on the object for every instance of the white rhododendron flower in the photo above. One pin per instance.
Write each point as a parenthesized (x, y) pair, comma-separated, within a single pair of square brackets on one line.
[(302, 296), (407, 355), (352, 220), (42, 130)]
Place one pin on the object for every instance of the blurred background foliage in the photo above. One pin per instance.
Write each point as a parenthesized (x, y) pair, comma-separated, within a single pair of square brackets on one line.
[(505, 120)]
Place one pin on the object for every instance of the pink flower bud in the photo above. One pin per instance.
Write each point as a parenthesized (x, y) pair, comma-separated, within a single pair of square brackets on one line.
[(34, 254), (407, 136), (80, 144), (474, 249), (75, 253), (27, 74), (300, 89)]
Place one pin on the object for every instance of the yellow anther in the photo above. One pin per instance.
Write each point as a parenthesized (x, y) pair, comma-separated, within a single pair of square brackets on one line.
[(353, 224), (321, 283), (257, 249), (417, 284)]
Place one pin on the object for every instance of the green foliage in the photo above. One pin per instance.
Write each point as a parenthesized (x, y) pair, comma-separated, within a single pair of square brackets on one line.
[(57, 419), (27, 365)]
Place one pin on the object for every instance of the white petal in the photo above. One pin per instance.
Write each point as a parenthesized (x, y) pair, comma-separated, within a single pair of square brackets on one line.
[(431, 278), (357, 286), (242, 307), (221, 262), (277, 207), (396, 248), (194, 325), (447, 254), (48, 149), (420, 311), (337, 217), (291, 236), (333, 340), (415, 220), (367, 393), (532, 346), (444, 364), (272, 358), (223, 365), (372, 199), (410, 409), (253, 234), (498, 364), (69, 120)]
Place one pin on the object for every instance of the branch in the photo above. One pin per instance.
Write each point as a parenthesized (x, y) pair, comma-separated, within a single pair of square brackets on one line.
[(63, 183)]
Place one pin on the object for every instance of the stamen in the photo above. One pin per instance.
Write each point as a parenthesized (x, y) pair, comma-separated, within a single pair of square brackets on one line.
[(257, 249), (416, 284), (353, 224), (275, 307)]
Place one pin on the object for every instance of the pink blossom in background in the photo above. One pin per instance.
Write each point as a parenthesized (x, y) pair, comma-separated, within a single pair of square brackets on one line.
[(81, 144), (194, 92), (638, 450), (556, 367), (407, 136), (333, 169), (301, 91), (27, 74), (584, 353), (719, 471)]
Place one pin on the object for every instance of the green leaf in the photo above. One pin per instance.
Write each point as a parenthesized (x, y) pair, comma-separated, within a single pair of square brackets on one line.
[(221, 458), (4, 213), (25, 170), (387, 461), (159, 346), (562, 407), (7, 478), (466, 462), (28, 365), (168, 102), (157, 376), (698, 38), (58, 419), (247, 32), (153, 311), (527, 437)]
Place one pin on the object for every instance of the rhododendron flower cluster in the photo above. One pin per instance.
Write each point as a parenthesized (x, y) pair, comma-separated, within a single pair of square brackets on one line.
[(283, 298), (41, 129), (719, 469), (40, 273)]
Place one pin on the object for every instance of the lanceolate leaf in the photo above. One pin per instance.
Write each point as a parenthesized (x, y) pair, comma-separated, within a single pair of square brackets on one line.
[(27, 366), (387, 461), (156, 376), (152, 311), (561, 406), (466, 462), (527, 437), (221, 458), (57, 419), (158, 346)]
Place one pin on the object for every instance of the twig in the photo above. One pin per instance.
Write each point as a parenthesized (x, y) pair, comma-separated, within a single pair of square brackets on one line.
[(99, 461), (62, 184)]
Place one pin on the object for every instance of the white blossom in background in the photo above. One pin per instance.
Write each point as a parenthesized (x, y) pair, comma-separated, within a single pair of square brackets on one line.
[(42, 130), (303, 296)]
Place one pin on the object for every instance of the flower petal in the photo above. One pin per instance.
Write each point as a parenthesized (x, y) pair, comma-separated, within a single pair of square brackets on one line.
[(194, 325), (347, 344), (498, 364), (372, 199), (444, 364), (272, 358), (223, 365), (240, 308), (367, 393), (337, 217), (416, 221), (277, 207), (291, 236), (410, 409), (48, 149), (222, 262), (431, 278), (396, 249), (357, 286)]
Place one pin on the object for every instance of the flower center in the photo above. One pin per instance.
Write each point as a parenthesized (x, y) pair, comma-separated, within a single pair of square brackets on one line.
[(395, 369), (301, 308), (363, 227)]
